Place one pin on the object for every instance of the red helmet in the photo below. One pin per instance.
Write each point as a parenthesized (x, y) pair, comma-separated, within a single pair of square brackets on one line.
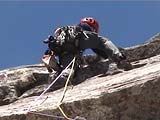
[(92, 22)]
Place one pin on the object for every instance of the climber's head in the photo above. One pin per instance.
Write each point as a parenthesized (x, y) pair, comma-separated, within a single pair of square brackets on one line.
[(89, 24)]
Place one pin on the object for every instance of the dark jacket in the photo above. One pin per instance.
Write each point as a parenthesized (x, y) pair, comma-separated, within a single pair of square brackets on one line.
[(72, 40)]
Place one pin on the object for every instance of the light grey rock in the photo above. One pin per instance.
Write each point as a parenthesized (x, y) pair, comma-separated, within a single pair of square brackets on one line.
[(130, 95), (15, 81), (100, 92)]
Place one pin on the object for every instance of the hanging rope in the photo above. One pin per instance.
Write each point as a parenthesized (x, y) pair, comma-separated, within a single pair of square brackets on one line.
[(63, 95), (35, 101), (65, 89)]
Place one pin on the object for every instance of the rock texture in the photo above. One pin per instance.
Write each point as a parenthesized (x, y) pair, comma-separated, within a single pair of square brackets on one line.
[(148, 49), (100, 92)]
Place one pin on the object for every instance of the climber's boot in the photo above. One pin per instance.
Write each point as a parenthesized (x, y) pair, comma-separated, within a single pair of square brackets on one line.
[(125, 65)]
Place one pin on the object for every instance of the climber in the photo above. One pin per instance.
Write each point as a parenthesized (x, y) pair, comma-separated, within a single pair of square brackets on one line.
[(70, 41)]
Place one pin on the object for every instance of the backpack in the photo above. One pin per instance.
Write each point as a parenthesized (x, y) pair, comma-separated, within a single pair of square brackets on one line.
[(68, 35)]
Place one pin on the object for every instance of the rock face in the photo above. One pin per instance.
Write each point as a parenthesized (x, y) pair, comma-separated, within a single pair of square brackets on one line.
[(149, 49), (100, 92), (15, 81)]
